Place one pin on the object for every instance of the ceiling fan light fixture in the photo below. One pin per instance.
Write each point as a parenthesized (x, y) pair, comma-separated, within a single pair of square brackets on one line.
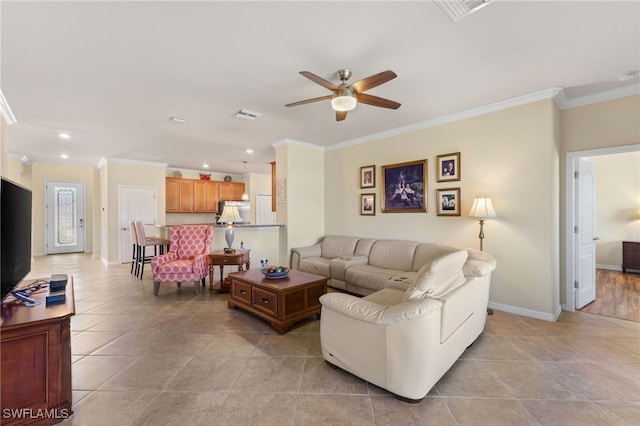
[(344, 100)]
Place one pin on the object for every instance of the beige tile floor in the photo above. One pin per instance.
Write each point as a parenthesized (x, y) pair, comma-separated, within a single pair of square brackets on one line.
[(186, 359)]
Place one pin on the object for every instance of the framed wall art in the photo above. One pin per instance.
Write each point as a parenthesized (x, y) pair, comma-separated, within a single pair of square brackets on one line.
[(448, 200), (448, 167), (368, 204), (368, 177), (404, 186)]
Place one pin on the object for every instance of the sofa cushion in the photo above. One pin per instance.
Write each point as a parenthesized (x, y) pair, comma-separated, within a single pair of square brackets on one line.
[(437, 276), (426, 252), (334, 246), (316, 265), (367, 276), (392, 254)]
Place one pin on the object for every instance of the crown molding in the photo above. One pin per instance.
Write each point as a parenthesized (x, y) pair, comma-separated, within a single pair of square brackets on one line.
[(473, 112), (104, 160), (567, 103), (300, 144), (5, 110)]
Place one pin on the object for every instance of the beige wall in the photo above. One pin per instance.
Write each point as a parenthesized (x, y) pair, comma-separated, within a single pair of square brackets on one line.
[(508, 155), (618, 205), (19, 172), (134, 174), (67, 173), (607, 124), (4, 147), (303, 168)]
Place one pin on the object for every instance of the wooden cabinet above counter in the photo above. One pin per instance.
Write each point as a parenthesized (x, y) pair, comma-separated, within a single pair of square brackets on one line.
[(199, 196)]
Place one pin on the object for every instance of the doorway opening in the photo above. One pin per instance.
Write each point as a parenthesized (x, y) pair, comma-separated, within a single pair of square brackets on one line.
[(572, 264)]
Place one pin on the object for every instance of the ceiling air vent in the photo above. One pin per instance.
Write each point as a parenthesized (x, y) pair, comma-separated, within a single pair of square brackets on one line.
[(456, 9), (244, 114)]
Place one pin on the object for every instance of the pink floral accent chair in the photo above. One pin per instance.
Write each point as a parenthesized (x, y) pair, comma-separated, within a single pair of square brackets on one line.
[(187, 259)]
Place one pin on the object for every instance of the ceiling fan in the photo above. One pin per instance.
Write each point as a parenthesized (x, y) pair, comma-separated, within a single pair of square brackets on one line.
[(345, 96)]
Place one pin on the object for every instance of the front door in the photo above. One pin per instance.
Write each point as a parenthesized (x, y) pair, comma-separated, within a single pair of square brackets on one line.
[(64, 217), (136, 203), (585, 235)]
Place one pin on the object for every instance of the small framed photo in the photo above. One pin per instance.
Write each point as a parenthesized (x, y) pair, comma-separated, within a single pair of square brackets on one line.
[(367, 204), (448, 167), (368, 177), (448, 201)]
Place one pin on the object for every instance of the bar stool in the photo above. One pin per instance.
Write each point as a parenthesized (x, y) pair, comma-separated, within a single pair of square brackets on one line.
[(134, 249), (143, 243)]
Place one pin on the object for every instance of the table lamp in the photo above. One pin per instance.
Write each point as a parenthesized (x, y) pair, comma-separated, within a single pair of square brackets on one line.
[(482, 209), (230, 214)]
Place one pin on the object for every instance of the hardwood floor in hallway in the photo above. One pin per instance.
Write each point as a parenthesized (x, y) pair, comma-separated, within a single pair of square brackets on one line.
[(617, 295)]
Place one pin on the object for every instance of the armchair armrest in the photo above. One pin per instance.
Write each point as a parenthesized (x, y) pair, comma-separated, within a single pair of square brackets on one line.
[(374, 313), (298, 253), (162, 259), (201, 262)]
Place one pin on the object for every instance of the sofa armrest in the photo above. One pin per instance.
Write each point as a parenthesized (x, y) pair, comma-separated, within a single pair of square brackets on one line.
[(374, 313), (299, 253), (201, 262), (478, 264), (339, 265)]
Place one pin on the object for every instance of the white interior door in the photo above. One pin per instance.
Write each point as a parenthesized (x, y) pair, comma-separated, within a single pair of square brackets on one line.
[(264, 215), (136, 203), (585, 234), (64, 217)]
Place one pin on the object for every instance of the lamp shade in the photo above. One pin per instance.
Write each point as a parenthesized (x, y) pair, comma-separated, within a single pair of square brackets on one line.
[(344, 100), (230, 214), (482, 208)]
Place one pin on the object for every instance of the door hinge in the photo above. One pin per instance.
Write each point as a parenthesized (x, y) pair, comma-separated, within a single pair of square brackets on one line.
[(575, 284), (575, 229), (576, 174)]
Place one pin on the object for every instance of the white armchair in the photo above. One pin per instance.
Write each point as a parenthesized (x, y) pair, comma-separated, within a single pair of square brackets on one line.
[(406, 340)]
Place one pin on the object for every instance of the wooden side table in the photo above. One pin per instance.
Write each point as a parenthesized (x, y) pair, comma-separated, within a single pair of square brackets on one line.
[(219, 257)]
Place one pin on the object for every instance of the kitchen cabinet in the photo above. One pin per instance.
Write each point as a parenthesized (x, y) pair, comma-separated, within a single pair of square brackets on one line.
[(186, 195), (199, 196), (211, 192), (230, 191), (205, 196), (172, 195)]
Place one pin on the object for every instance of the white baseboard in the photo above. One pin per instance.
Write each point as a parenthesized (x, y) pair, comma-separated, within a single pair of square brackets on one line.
[(610, 267), (527, 312)]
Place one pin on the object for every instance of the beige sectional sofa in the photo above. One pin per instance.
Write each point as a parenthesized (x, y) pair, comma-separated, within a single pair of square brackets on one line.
[(424, 305), (365, 265)]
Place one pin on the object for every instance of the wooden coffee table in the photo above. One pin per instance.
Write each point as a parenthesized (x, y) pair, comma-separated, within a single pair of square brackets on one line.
[(282, 302)]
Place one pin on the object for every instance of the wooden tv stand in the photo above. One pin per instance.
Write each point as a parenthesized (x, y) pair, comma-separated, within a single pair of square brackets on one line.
[(36, 359)]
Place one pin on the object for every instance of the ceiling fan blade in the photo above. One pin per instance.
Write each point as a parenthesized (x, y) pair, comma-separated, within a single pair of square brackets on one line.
[(363, 98), (341, 115), (308, 101), (321, 81), (373, 81)]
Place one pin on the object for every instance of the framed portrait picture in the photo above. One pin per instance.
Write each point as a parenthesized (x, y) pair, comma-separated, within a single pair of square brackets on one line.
[(368, 177), (368, 204), (448, 201), (448, 167), (404, 186)]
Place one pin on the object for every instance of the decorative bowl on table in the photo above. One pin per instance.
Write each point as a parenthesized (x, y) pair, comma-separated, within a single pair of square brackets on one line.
[(274, 272)]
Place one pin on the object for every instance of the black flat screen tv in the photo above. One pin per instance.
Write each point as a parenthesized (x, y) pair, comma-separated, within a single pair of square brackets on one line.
[(15, 233)]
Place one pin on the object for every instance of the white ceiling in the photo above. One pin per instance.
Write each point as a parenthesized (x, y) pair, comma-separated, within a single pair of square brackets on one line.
[(112, 73)]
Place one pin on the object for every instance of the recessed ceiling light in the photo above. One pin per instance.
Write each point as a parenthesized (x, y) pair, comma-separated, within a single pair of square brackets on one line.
[(64, 156), (64, 135), (249, 151), (205, 166)]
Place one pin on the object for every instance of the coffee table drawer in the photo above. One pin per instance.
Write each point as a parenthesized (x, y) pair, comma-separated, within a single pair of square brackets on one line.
[(242, 291), (265, 301)]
